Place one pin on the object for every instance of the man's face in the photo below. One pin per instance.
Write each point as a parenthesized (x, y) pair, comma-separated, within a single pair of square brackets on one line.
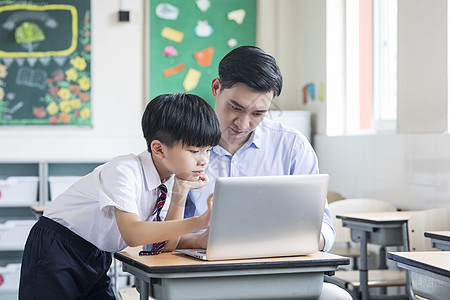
[(240, 110)]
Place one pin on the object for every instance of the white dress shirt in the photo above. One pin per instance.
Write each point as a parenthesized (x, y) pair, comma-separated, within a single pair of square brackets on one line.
[(128, 183)]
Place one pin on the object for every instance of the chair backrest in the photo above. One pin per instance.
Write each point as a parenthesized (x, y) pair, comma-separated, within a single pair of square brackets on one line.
[(334, 196), (426, 220), (354, 205)]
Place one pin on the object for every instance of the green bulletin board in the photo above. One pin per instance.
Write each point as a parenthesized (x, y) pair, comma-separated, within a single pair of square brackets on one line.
[(184, 34), (45, 62)]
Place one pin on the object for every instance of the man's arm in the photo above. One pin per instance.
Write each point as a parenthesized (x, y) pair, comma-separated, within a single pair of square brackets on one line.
[(327, 230), (305, 162)]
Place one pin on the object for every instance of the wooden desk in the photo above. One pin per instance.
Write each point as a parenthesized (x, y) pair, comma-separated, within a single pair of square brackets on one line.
[(439, 239), (38, 210), (174, 275), (381, 228), (429, 272)]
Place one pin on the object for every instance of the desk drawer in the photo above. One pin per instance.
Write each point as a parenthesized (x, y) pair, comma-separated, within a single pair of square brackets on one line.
[(19, 191), (14, 233)]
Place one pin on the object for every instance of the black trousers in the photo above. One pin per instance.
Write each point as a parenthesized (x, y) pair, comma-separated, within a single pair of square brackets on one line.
[(59, 264)]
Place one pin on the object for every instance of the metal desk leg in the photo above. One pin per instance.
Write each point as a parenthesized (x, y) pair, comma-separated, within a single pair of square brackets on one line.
[(143, 289), (409, 290), (116, 277), (363, 273), (382, 265)]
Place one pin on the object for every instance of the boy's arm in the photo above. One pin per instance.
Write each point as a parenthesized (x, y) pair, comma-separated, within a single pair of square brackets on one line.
[(136, 232), (177, 205), (194, 240)]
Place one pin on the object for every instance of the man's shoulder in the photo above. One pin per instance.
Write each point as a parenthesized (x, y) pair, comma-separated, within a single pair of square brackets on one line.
[(276, 129)]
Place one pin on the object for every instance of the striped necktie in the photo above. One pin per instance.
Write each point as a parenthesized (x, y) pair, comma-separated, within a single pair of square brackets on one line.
[(158, 247)]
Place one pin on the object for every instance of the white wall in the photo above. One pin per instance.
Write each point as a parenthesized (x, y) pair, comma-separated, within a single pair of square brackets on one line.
[(117, 98), (422, 66), (294, 32), (410, 170)]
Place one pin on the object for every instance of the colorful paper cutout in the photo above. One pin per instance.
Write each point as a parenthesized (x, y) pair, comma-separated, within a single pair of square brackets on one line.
[(167, 11), (237, 16), (172, 34), (203, 29), (232, 43), (191, 80), (204, 57), (308, 89), (203, 5), (170, 51), (321, 92), (174, 70)]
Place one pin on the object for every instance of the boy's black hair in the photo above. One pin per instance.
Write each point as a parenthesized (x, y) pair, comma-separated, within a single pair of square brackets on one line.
[(185, 118), (253, 67)]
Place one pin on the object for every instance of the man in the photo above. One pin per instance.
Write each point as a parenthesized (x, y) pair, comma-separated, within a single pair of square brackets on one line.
[(249, 79)]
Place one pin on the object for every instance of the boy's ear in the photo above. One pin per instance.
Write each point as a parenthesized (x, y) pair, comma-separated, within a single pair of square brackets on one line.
[(156, 148), (215, 86)]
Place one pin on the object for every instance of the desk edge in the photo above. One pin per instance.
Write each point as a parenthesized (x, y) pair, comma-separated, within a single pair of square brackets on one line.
[(235, 266), (416, 264)]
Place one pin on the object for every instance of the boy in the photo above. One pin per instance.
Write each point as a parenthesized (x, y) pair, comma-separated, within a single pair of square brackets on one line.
[(68, 251)]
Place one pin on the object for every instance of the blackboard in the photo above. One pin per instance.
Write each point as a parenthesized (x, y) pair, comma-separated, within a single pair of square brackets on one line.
[(45, 62), (226, 19)]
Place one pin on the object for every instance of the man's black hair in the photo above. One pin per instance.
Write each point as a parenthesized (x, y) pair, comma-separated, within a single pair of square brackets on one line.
[(185, 118), (253, 67)]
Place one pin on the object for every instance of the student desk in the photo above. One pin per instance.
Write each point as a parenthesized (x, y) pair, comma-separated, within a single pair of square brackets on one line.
[(173, 275), (381, 228), (439, 239), (429, 271), (38, 210)]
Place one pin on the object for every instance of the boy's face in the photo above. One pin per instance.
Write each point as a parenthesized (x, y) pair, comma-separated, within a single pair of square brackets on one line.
[(240, 110), (187, 162)]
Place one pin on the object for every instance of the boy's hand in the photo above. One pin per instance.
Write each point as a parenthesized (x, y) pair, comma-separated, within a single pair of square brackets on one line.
[(206, 216), (203, 238), (181, 187)]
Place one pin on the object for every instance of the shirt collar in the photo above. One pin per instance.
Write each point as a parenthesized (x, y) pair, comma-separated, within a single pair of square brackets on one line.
[(253, 140), (151, 174)]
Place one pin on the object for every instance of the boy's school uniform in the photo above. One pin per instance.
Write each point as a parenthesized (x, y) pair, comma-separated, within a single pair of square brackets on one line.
[(272, 149), (128, 183), (69, 250)]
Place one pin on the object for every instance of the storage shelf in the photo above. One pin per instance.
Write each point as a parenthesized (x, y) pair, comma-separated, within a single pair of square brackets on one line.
[(42, 170)]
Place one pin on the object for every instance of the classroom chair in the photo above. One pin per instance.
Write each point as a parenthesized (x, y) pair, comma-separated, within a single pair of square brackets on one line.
[(130, 293), (343, 244), (333, 196), (426, 220), (349, 280)]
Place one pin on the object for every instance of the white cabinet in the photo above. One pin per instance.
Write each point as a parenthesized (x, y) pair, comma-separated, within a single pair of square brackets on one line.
[(22, 185)]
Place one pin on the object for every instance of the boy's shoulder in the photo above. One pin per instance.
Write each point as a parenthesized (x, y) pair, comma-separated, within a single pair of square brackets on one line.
[(125, 159), (126, 163)]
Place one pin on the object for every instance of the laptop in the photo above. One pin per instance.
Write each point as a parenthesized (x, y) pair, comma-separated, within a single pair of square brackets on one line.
[(265, 216)]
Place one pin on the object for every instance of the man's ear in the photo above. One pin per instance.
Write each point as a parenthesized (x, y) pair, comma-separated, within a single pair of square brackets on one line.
[(157, 148), (215, 86)]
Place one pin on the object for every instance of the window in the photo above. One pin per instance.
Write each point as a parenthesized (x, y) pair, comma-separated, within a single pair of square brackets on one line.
[(362, 87), (385, 64)]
